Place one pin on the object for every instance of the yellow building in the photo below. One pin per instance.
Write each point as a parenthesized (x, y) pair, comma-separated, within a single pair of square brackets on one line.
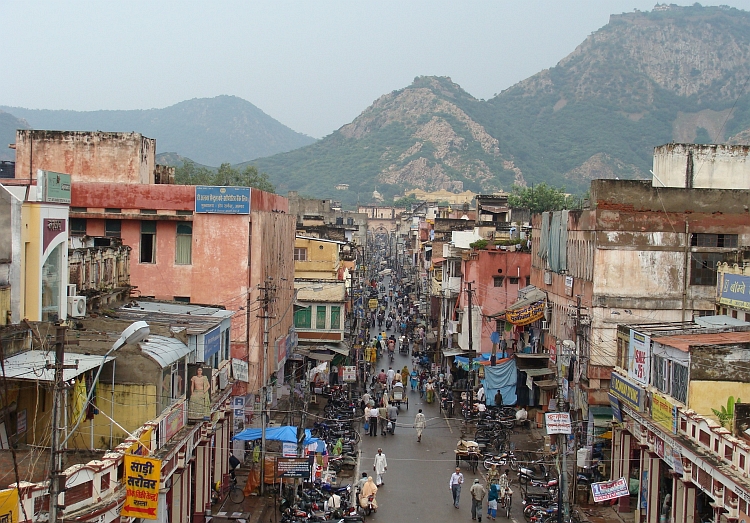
[(316, 258), (442, 196)]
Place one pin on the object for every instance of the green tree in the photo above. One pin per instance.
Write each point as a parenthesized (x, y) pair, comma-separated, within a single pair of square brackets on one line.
[(406, 202), (537, 198), (189, 174)]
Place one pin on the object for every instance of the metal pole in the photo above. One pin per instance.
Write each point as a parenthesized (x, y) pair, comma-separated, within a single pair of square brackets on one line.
[(56, 473), (562, 463), (470, 381)]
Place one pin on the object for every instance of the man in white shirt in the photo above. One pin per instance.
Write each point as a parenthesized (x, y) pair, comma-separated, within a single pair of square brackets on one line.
[(334, 502), (380, 466), (457, 479), (481, 396), (391, 374)]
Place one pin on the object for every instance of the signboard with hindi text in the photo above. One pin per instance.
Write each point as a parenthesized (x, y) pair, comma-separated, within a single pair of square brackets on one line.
[(734, 290), (142, 487), (607, 490), (525, 315), (9, 505), (557, 422)]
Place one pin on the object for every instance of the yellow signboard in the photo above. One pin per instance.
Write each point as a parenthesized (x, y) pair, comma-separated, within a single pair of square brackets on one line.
[(661, 411), (142, 487), (9, 505), (526, 315), (373, 303)]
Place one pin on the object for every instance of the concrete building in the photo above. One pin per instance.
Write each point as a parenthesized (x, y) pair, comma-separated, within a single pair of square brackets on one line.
[(322, 219), (210, 245), (640, 251), (733, 290), (688, 465), (696, 166)]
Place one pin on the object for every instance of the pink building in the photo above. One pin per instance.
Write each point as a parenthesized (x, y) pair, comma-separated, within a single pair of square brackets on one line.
[(187, 245), (496, 275)]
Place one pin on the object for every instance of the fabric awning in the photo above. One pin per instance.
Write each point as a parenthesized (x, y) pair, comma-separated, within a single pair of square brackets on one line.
[(338, 348), (452, 352), (546, 384), (31, 365), (531, 361)]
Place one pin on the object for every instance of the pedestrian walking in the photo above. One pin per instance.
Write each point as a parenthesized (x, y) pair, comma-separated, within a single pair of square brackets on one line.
[(457, 479), (478, 492), (383, 415), (420, 423), (380, 466), (373, 421)]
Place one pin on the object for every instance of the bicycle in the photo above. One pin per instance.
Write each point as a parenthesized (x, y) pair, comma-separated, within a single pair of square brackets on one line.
[(236, 493)]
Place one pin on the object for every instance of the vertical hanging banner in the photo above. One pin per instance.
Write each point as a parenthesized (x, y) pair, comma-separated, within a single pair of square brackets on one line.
[(142, 487)]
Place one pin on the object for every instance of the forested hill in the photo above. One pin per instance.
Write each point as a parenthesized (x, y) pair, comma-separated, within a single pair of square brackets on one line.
[(646, 78)]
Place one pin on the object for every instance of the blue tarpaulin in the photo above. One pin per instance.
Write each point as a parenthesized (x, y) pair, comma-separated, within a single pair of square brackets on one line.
[(502, 376), (287, 434)]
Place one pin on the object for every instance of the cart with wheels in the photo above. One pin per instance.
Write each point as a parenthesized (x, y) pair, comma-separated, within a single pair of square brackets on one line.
[(398, 397), (469, 456)]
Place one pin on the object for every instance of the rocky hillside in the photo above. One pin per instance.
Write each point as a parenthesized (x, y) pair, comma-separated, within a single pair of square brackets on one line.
[(208, 130), (645, 79), (8, 126)]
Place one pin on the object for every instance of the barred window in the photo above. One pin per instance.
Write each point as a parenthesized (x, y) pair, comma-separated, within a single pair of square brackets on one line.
[(679, 382)]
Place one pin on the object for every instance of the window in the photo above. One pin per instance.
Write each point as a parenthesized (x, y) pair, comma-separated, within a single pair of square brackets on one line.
[(78, 226), (679, 382), (747, 316), (112, 228), (183, 252), (528, 280), (512, 280), (320, 317), (727, 241), (181, 299), (300, 254), (148, 211), (498, 281), (622, 353), (302, 318), (335, 318), (148, 242), (734, 314), (113, 210), (184, 213), (703, 267)]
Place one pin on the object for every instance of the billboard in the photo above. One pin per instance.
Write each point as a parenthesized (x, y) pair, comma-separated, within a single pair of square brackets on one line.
[(142, 487), (734, 290), (222, 200), (55, 186), (639, 356)]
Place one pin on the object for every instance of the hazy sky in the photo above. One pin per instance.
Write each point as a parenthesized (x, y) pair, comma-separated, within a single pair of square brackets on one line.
[(312, 65)]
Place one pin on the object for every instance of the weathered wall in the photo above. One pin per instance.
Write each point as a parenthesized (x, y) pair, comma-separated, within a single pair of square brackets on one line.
[(86, 156), (639, 195), (708, 166), (322, 259), (706, 395)]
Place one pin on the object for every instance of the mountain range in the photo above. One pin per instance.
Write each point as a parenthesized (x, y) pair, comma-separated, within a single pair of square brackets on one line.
[(677, 74), (209, 131)]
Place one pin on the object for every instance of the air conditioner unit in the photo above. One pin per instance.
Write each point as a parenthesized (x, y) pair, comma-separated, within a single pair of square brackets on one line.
[(545, 325), (76, 306)]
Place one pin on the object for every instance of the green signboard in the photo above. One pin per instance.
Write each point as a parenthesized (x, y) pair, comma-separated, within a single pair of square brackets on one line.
[(55, 186)]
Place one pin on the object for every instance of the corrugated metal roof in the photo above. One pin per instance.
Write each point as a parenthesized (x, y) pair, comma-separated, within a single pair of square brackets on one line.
[(163, 350), (683, 342), (30, 365), (195, 319)]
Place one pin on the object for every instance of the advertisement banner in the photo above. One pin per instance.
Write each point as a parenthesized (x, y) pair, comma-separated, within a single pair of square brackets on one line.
[(662, 411), (55, 186), (734, 290), (211, 343), (629, 394), (350, 374), (526, 315), (222, 200), (639, 356), (142, 487), (557, 422), (240, 370), (607, 490), (9, 505), (293, 467)]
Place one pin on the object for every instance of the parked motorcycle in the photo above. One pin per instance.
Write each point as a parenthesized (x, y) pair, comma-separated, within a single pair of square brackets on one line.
[(501, 460)]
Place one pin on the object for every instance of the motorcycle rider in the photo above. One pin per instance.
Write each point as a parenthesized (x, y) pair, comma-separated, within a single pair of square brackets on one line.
[(503, 484), (368, 489)]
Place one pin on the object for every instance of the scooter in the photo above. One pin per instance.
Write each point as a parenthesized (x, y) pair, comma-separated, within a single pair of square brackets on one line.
[(502, 460)]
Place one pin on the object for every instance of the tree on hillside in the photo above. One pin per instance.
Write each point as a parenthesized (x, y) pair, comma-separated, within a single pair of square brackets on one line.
[(406, 202), (541, 198), (189, 174)]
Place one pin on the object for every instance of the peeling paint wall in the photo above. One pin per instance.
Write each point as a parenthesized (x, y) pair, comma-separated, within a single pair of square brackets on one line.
[(86, 156), (702, 166)]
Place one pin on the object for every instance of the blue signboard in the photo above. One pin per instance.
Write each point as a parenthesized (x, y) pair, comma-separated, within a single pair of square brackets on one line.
[(222, 200), (626, 392), (734, 290), (211, 343)]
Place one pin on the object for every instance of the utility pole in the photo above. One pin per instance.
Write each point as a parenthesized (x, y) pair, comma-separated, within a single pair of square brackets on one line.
[(267, 291), (57, 478), (470, 381)]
